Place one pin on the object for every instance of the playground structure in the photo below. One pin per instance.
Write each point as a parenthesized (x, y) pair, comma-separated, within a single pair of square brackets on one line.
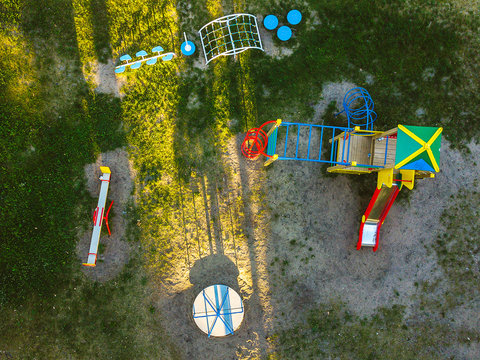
[(98, 216), (218, 310), (399, 155), (230, 35)]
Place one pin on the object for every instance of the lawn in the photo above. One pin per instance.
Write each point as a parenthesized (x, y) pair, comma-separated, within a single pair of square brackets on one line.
[(198, 206)]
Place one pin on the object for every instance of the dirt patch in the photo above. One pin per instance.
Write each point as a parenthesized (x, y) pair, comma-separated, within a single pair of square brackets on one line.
[(284, 237), (223, 240), (332, 92), (106, 80), (315, 222), (117, 249), (199, 62), (269, 45)]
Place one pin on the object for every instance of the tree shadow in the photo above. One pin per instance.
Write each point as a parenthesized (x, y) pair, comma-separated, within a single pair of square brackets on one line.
[(101, 29), (217, 266)]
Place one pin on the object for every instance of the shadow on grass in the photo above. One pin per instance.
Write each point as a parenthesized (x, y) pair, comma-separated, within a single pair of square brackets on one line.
[(101, 29)]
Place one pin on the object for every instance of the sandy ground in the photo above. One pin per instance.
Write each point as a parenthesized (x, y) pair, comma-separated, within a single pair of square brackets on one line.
[(231, 249), (268, 45), (324, 214), (331, 92), (117, 249), (299, 250)]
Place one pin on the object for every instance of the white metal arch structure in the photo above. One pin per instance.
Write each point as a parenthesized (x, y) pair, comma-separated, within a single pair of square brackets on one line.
[(230, 35)]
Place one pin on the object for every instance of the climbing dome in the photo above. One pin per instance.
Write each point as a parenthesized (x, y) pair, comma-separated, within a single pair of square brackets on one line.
[(230, 35)]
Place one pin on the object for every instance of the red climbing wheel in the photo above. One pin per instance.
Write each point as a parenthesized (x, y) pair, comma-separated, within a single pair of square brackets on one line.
[(255, 142)]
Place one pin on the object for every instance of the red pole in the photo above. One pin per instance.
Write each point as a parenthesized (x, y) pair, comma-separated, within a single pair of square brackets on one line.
[(95, 216)]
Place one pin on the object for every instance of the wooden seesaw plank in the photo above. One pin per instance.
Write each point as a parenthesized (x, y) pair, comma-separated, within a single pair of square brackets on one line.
[(98, 216)]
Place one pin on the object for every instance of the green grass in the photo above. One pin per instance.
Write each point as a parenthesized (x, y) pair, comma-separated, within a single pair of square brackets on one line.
[(396, 43), (89, 320), (50, 22), (41, 192), (458, 248), (331, 331)]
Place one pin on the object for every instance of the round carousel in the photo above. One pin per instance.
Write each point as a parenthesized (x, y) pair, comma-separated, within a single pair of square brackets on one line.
[(218, 310)]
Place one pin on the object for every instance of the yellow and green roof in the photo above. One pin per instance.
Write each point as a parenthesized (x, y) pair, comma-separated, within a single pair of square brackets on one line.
[(418, 148)]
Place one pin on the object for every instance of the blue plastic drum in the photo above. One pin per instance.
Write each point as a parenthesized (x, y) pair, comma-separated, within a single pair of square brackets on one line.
[(294, 17), (270, 22), (284, 33)]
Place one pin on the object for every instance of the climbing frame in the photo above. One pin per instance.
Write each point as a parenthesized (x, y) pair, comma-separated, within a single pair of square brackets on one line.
[(230, 35)]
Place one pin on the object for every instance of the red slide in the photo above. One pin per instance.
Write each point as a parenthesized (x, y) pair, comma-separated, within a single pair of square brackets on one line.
[(377, 210)]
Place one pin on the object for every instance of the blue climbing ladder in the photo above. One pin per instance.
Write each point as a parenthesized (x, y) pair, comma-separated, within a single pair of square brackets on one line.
[(297, 144), (333, 145)]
